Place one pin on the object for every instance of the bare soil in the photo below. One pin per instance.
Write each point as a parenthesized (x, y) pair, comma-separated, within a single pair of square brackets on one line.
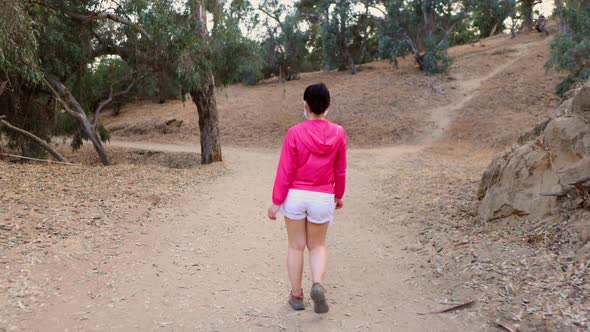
[(158, 247)]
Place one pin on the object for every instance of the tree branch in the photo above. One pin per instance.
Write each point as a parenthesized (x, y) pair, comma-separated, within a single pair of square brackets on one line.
[(274, 17), (37, 140), (110, 16), (379, 9), (107, 101), (448, 32)]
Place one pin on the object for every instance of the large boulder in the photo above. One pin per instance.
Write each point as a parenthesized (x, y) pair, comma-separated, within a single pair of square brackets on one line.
[(529, 179)]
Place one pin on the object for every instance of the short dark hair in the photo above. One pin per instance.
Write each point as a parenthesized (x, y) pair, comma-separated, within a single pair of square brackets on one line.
[(317, 98)]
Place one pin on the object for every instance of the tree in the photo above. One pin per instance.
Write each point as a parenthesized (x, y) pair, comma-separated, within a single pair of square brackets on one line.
[(163, 41), (237, 58), (421, 28), (341, 20), (526, 11), (284, 50), (489, 16), (202, 88), (571, 51)]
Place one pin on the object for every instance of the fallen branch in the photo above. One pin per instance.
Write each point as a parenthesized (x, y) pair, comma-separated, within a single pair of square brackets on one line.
[(453, 308), (580, 182), (555, 193), (36, 139), (577, 184), (35, 159)]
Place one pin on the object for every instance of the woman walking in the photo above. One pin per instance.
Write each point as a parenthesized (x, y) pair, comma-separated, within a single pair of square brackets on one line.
[(309, 185)]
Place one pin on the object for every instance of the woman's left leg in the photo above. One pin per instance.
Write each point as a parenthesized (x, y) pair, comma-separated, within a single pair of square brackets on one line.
[(296, 239)]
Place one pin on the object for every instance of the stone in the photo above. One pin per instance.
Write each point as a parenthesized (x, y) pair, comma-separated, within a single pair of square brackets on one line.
[(548, 158)]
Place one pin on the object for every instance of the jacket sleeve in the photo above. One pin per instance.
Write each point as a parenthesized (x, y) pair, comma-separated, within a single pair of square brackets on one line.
[(340, 169), (286, 169)]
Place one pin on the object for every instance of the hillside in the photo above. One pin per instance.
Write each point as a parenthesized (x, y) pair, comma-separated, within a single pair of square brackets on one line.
[(379, 106)]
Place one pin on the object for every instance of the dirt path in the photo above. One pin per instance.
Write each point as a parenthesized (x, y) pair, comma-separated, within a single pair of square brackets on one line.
[(218, 264)]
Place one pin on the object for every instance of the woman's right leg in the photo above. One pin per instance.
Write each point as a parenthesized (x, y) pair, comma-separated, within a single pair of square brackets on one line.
[(296, 230)]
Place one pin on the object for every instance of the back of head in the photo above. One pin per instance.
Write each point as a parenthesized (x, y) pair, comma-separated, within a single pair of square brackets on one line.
[(317, 97)]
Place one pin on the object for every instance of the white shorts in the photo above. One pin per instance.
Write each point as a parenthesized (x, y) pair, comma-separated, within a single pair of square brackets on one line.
[(316, 207)]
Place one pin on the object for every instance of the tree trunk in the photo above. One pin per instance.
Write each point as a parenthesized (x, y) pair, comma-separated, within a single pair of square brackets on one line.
[(350, 61), (161, 87), (527, 14), (564, 28), (204, 96), (36, 139), (428, 13), (325, 33), (366, 34), (417, 56), (206, 104), (67, 100)]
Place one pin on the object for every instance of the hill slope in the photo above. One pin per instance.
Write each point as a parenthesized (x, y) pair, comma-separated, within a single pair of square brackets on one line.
[(380, 105)]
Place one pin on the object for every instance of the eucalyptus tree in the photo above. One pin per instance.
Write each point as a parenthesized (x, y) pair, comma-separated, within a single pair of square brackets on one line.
[(489, 16), (165, 39), (526, 10), (284, 47), (420, 27), (570, 51)]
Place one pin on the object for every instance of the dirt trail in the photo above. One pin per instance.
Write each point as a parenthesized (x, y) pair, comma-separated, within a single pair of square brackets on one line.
[(217, 264), (442, 116)]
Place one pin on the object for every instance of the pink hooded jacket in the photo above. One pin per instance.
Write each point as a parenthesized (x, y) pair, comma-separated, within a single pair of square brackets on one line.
[(313, 158)]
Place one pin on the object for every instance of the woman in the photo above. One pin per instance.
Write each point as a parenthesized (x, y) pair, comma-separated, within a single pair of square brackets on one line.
[(309, 185)]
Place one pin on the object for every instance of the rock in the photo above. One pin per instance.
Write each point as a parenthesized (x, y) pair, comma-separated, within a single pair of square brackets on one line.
[(548, 158), (581, 102)]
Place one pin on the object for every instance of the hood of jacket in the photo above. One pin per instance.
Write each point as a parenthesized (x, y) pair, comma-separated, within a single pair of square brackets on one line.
[(319, 136)]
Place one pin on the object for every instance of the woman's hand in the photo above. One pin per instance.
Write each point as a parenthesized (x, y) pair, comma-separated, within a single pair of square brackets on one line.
[(339, 203), (272, 211)]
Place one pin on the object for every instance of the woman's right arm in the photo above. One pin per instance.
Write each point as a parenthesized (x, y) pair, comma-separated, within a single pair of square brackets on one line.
[(340, 172)]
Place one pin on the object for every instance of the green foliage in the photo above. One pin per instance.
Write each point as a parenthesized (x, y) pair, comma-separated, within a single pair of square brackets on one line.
[(100, 77), (364, 45), (487, 15), (571, 52), (18, 43), (236, 57), (436, 60), (391, 32), (405, 19)]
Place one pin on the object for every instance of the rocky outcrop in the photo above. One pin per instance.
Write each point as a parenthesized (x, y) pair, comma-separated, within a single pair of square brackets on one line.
[(544, 165)]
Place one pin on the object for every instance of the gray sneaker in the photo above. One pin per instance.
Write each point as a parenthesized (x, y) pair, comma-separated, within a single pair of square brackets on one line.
[(318, 295), (296, 302)]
